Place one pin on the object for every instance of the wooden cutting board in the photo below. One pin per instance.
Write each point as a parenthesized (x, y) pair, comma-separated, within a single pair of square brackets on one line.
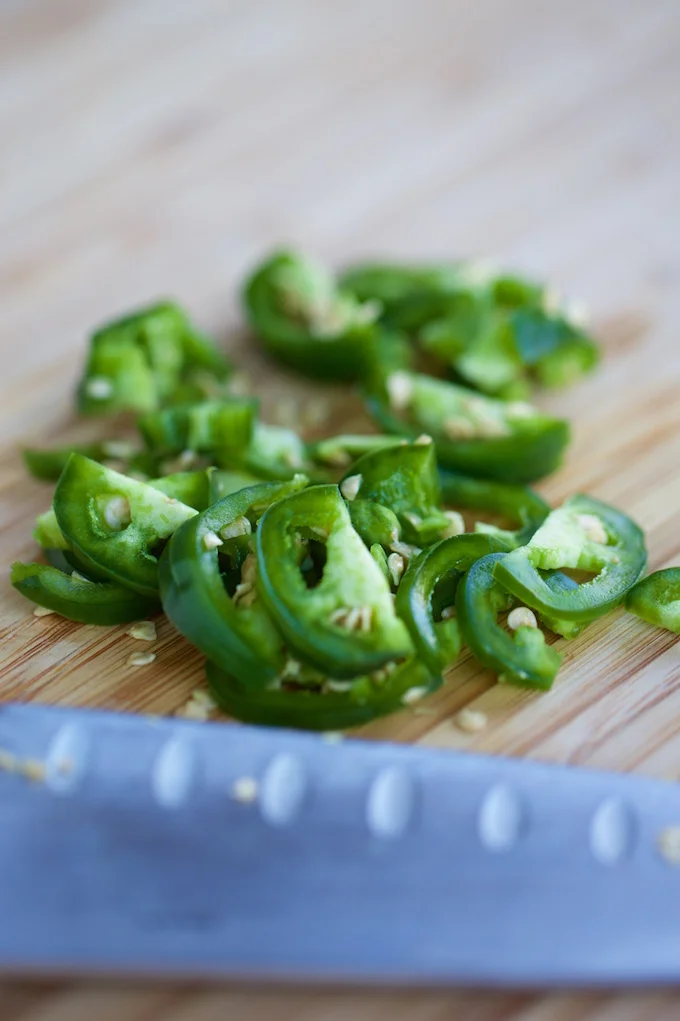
[(153, 148)]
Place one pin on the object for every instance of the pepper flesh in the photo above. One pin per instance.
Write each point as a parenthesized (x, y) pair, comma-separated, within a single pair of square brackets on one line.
[(79, 599), (563, 541), (656, 599), (522, 658), (346, 624), (520, 503), (220, 429)]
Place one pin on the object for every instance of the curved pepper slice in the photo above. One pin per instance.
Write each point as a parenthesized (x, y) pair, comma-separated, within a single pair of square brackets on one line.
[(114, 524), (404, 479), (560, 582), (656, 599), (391, 283), (345, 625), (89, 602), (429, 586), (232, 628), (519, 503), (341, 451), (220, 429), (274, 453), (522, 658), (305, 321), (377, 525), (512, 441), (325, 705), (585, 535)]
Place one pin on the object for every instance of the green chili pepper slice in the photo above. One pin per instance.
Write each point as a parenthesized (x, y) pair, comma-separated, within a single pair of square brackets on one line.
[(656, 599), (429, 586), (326, 704), (340, 451), (274, 453), (229, 624), (78, 598), (307, 322), (585, 535), (220, 429), (512, 442), (115, 525), (377, 525), (345, 625), (522, 658), (519, 503)]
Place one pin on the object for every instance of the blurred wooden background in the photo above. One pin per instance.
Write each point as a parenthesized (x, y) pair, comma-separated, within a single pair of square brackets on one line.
[(151, 148)]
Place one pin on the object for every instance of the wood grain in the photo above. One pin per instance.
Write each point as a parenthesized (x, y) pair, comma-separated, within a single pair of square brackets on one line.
[(156, 148)]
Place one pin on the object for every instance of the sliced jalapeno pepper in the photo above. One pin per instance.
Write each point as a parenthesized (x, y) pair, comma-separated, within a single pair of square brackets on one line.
[(586, 535), (47, 532), (404, 479), (390, 283), (377, 525), (326, 704), (190, 488), (345, 625), (522, 658), (224, 482), (560, 582), (305, 321), (656, 599), (229, 624), (220, 429), (77, 598), (429, 587), (274, 453), (341, 451), (519, 503), (473, 433), (114, 524)]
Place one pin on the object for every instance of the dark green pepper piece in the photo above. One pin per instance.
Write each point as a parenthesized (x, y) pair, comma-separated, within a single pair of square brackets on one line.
[(219, 429), (77, 598), (554, 349), (341, 451), (190, 488), (376, 524), (233, 629), (429, 586), (274, 453), (519, 503), (392, 283), (522, 658), (472, 433), (305, 321), (585, 535), (404, 479), (224, 482), (327, 705), (345, 625), (115, 525), (656, 599)]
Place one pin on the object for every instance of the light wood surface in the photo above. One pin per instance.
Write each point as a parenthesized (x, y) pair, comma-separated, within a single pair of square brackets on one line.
[(151, 148)]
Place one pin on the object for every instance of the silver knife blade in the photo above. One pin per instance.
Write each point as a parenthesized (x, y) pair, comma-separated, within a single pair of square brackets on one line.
[(170, 848)]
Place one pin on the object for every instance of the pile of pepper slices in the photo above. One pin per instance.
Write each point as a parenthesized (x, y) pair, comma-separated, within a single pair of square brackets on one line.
[(328, 583)]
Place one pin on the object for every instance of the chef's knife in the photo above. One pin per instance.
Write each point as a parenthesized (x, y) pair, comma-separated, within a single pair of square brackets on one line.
[(140, 846)]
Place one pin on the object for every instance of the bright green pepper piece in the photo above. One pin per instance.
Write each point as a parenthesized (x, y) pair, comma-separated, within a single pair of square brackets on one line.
[(224, 482), (89, 602), (392, 283), (520, 503), (585, 535), (219, 429), (656, 599), (522, 658), (326, 705), (305, 321), (376, 524), (345, 625), (114, 524), (274, 453), (340, 451)]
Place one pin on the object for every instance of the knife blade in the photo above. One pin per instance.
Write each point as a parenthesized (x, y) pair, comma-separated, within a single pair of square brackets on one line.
[(132, 845)]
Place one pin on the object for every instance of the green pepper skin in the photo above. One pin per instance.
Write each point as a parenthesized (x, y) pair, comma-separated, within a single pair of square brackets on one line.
[(429, 585), (274, 453), (49, 464), (126, 554), (656, 599), (190, 488), (404, 479), (142, 361), (308, 709), (224, 482), (377, 525), (305, 321), (240, 638), (569, 629), (522, 658), (47, 532), (562, 541), (221, 429), (519, 503), (351, 581), (88, 602), (341, 451), (505, 443), (392, 283)]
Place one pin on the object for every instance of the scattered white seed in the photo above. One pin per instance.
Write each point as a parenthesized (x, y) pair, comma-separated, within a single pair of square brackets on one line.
[(490, 429), (577, 314), (471, 721), (77, 576), (337, 458), (249, 570), (99, 388), (448, 612), (193, 710), (332, 736), (423, 440), (519, 409), (187, 459), (245, 594), (521, 616), (241, 526), (144, 630), (459, 428), (141, 658), (351, 486), (477, 272), (413, 695), (399, 390), (593, 527), (121, 449), (245, 790), (42, 611), (456, 524), (365, 618), (211, 541), (204, 698), (669, 844), (117, 514), (338, 686), (415, 520), (405, 550), (396, 565)]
